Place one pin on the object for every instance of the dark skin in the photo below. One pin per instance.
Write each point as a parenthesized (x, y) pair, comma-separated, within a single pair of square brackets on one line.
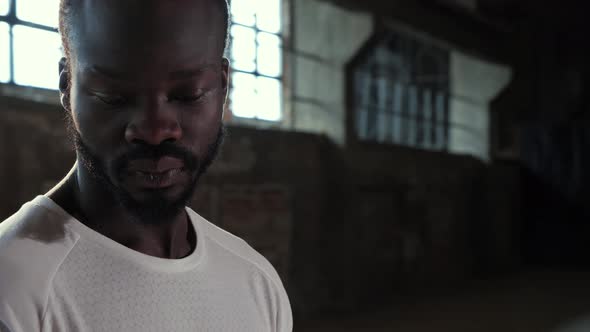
[(141, 72)]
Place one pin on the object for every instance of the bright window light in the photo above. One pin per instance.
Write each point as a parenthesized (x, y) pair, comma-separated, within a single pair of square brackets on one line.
[(255, 53), (244, 101), (242, 12), (269, 98), (36, 56), (256, 97), (269, 54), (4, 53), (243, 48), (256, 59), (268, 15), (4, 7), (44, 12)]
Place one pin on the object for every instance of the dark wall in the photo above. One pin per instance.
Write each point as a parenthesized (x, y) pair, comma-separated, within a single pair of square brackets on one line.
[(34, 151), (345, 228), (544, 116)]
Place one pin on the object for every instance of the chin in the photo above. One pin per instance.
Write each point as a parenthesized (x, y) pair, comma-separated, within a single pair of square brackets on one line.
[(154, 208), (156, 205), (149, 196)]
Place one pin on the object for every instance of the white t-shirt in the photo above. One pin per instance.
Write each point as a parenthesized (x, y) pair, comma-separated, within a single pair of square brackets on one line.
[(56, 274)]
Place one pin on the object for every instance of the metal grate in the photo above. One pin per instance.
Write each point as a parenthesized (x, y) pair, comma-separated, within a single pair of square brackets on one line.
[(401, 94)]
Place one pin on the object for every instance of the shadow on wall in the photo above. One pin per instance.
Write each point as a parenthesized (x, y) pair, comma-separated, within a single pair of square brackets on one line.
[(345, 228), (34, 151), (349, 228)]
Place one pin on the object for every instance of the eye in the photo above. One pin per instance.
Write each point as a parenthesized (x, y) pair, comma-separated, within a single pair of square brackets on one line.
[(111, 99), (187, 99), (191, 98)]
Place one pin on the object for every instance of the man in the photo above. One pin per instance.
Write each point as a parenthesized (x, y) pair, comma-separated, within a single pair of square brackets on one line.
[(112, 247)]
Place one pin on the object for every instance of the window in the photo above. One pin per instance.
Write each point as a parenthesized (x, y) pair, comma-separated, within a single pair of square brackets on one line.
[(256, 58), (30, 50), (4, 52), (4, 7), (401, 93), (30, 45)]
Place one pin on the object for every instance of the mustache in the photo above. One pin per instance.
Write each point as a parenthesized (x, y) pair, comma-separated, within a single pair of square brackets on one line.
[(155, 152)]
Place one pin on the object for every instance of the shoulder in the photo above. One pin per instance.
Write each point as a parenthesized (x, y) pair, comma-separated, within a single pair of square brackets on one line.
[(34, 239), (236, 247), (33, 244), (280, 308)]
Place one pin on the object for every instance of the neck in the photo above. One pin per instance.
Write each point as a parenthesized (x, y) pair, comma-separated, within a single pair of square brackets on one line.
[(89, 202)]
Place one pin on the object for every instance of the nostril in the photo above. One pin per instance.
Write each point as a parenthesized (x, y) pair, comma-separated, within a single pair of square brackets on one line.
[(154, 128)]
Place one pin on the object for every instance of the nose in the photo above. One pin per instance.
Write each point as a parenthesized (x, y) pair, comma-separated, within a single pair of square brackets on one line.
[(153, 124)]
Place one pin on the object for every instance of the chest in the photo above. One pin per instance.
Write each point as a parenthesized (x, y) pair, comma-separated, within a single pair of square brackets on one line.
[(149, 304)]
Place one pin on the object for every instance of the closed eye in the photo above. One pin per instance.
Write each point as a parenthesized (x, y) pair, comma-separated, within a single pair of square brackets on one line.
[(187, 98), (191, 98), (111, 99)]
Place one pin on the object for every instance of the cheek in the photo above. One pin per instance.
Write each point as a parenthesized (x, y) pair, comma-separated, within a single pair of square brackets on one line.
[(75, 107), (200, 128), (97, 128)]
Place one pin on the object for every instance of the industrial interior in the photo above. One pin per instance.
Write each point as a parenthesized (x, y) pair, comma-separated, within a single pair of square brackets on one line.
[(405, 165)]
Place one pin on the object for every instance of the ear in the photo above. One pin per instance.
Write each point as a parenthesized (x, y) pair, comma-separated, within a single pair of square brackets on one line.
[(225, 77), (64, 82)]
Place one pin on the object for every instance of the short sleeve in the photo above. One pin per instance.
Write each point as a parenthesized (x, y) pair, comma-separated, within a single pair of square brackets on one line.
[(284, 315)]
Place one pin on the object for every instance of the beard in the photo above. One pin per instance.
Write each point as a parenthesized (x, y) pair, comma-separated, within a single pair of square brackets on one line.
[(155, 208)]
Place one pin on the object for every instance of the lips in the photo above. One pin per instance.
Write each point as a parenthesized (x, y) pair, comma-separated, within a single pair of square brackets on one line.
[(161, 165), (154, 174)]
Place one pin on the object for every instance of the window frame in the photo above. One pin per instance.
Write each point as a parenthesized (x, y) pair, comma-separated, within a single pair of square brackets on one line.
[(12, 19), (282, 35), (352, 114)]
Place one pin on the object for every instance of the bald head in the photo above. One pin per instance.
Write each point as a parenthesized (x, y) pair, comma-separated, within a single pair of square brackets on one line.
[(77, 18)]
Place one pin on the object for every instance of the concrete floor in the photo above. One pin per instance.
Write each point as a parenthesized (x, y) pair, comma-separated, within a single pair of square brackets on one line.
[(532, 301)]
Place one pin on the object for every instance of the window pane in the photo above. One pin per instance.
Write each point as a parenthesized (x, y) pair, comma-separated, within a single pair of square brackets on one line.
[(383, 97), (4, 55), (256, 97), (4, 7), (242, 12), (243, 95), (412, 115), (269, 54), (38, 11), (269, 99), (363, 90), (268, 15), (36, 57), (439, 115), (398, 95), (243, 48), (427, 118)]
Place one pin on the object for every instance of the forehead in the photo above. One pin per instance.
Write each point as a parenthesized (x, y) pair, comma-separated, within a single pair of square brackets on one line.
[(143, 35)]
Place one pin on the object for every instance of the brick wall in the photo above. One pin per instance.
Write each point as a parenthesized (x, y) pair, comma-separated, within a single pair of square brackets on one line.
[(344, 227)]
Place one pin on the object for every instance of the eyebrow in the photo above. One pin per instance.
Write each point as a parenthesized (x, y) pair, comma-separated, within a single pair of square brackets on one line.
[(182, 74), (108, 73), (190, 73)]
